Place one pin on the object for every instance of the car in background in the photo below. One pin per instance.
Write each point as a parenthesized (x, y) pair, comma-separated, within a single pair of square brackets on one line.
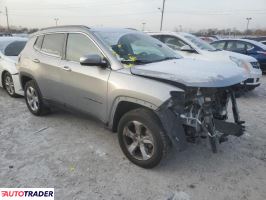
[(208, 39), (190, 46), (10, 48), (246, 47), (261, 39), (134, 84)]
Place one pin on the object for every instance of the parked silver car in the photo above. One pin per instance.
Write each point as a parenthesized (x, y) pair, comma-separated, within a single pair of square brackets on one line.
[(134, 84)]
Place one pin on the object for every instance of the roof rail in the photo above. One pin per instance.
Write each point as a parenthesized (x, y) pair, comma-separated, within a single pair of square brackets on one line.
[(64, 26)]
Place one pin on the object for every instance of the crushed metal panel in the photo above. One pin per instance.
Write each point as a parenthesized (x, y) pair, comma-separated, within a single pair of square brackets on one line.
[(172, 122), (193, 73)]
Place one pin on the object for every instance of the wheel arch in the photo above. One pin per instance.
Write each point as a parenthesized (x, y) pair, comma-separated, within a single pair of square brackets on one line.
[(123, 105), (24, 78)]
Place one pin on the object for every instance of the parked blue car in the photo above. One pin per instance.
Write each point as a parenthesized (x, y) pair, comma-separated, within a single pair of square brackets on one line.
[(244, 46)]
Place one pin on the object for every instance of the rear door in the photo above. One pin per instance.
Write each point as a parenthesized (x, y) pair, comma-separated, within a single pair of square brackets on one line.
[(219, 45), (84, 87), (236, 46), (49, 50)]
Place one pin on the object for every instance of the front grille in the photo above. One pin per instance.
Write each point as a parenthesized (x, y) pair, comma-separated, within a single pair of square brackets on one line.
[(255, 65)]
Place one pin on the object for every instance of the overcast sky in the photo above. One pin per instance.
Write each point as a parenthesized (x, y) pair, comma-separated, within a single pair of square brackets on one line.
[(190, 14)]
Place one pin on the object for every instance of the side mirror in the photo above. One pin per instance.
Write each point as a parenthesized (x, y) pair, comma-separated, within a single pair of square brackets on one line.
[(93, 60), (187, 48)]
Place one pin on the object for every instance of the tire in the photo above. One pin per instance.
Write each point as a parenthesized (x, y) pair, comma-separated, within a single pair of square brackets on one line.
[(8, 85), (141, 138), (34, 99)]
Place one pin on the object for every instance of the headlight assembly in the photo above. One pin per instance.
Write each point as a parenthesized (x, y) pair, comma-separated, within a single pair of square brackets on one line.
[(241, 63)]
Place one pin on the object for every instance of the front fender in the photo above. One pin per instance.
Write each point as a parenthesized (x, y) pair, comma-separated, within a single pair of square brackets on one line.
[(128, 99), (172, 122), (9, 66)]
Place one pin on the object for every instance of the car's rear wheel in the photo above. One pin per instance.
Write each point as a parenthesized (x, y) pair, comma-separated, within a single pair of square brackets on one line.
[(141, 138), (34, 99), (9, 85)]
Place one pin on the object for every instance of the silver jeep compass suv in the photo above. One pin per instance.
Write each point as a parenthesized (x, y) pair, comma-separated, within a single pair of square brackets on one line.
[(134, 84)]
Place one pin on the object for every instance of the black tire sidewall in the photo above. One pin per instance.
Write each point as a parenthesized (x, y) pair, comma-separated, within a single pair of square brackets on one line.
[(148, 119)]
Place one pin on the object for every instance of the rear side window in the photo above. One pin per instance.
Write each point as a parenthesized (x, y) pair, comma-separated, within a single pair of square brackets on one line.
[(38, 43), (79, 45), (219, 45), (235, 46), (14, 48), (53, 44)]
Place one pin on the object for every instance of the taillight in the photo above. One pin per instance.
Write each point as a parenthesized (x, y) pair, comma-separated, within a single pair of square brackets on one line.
[(262, 52)]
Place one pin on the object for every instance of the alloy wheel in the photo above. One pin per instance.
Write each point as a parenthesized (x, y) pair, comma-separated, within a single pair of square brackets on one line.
[(138, 140), (9, 85), (32, 98)]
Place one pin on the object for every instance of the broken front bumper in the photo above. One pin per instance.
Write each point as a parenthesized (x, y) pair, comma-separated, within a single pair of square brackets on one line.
[(174, 122)]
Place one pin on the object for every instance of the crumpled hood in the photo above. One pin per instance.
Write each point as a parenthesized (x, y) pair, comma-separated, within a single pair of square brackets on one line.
[(193, 73)]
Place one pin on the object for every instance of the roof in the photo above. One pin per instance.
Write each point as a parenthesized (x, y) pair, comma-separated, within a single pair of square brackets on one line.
[(81, 27), (61, 28), (111, 29), (169, 33)]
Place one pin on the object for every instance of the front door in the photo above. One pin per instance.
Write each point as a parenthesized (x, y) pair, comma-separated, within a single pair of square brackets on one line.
[(84, 87)]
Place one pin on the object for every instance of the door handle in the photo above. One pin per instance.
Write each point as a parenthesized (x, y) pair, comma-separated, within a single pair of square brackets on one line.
[(36, 60), (66, 68)]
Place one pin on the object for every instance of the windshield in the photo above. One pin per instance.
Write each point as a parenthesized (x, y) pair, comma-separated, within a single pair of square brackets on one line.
[(135, 48), (200, 43)]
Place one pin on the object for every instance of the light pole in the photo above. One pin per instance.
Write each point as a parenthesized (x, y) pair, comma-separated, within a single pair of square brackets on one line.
[(162, 10), (248, 19), (7, 20), (56, 21), (143, 26)]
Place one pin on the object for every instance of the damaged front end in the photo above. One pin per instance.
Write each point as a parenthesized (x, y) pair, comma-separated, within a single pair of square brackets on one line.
[(200, 109), (201, 113)]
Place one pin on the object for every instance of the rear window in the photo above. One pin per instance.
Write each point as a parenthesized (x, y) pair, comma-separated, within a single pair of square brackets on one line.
[(14, 48), (53, 44)]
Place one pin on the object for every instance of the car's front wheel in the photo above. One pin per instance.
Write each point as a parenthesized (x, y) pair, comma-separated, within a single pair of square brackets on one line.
[(9, 85), (141, 138), (34, 99)]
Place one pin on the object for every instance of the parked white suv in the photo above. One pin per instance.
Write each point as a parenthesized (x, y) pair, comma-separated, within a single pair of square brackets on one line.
[(190, 46)]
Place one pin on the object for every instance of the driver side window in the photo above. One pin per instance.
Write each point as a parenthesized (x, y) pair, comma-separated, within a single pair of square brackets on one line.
[(173, 42), (79, 45)]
